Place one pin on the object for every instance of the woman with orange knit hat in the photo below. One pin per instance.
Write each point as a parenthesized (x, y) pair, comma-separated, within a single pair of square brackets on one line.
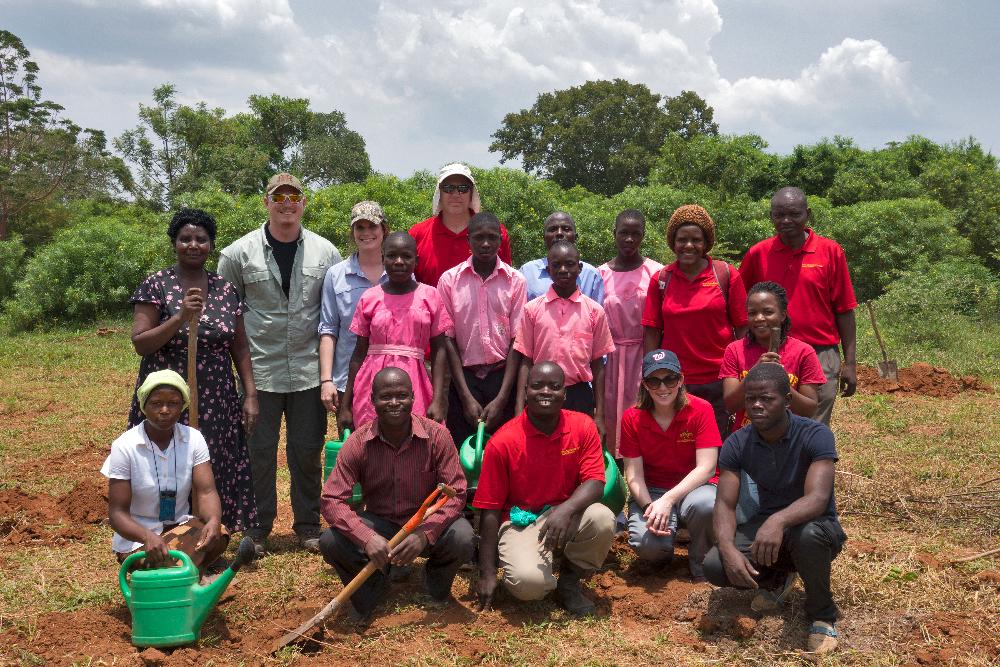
[(695, 307)]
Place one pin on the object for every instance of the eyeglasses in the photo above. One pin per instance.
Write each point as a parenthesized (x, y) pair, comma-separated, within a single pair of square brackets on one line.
[(669, 382), (281, 199), (450, 188)]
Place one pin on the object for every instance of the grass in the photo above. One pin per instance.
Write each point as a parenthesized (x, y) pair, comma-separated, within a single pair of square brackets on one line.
[(905, 463)]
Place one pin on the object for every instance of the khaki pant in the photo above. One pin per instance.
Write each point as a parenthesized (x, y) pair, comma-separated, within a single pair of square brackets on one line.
[(829, 361), (527, 565), (184, 537)]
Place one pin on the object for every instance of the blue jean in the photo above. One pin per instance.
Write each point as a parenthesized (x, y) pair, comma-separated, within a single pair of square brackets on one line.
[(694, 512)]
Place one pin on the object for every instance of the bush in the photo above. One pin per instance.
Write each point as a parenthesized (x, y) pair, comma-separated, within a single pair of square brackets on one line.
[(886, 238), (87, 272), (944, 313), (12, 253)]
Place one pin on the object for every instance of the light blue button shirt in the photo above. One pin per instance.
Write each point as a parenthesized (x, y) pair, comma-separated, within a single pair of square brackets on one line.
[(342, 289), (536, 274)]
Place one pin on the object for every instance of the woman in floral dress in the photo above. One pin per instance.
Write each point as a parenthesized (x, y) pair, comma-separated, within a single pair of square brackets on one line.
[(164, 304)]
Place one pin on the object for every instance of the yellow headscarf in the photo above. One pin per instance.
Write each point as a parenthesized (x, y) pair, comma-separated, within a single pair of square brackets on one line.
[(164, 378)]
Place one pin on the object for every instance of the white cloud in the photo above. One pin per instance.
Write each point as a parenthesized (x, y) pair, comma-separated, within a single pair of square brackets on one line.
[(428, 83), (853, 83)]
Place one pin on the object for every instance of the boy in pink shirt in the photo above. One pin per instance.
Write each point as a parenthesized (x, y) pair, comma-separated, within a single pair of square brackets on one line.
[(570, 329), (485, 297)]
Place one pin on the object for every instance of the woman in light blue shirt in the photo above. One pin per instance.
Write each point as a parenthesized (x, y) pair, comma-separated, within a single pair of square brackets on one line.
[(342, 288)]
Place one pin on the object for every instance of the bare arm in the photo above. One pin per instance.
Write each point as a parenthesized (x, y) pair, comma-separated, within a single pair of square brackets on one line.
[(848, 328), (597, 369), (732, 394), (240, 354), (438, 409), (738, 569), (522, 383), (149, 334), (470, 406), (489, 529), (345, 414), (494, 409), (206, 499), (651, 338), (804, 400), (120, 517), (327, 390), (635, 476)]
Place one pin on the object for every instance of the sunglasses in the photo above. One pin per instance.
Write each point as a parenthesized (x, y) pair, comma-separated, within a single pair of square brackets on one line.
[(281, 199), (669, 382), (451, 188)]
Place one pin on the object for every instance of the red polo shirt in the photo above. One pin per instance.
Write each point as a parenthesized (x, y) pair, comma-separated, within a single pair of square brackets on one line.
[(439, 248), (798, 358), (816, 279), (696, 324), (668, 456), (524, 467)]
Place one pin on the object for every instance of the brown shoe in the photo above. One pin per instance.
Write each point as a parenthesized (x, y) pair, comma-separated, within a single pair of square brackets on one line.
[(823, 638)]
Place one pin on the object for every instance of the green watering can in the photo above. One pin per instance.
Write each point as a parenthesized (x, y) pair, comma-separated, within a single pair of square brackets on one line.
[(614, 485), (168, 606), (470, 456), (332, 449)]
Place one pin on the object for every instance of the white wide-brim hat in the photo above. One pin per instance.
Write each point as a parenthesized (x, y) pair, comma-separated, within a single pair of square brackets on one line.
[(461, 170)]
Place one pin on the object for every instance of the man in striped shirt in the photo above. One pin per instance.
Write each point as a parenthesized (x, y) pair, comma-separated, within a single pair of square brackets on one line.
[(398, 458)]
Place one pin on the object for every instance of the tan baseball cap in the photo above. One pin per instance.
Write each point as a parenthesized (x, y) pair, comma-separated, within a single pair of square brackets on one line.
[(284, 178), (368, 210)]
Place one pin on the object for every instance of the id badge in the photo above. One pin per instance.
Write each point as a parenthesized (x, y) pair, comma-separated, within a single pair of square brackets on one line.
[(168, 505)]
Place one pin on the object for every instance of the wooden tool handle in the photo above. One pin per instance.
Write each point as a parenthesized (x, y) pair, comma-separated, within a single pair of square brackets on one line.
[(878, 336)]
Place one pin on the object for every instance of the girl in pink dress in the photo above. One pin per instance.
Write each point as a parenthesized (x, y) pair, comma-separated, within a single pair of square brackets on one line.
[(626, 280), (394, 323)]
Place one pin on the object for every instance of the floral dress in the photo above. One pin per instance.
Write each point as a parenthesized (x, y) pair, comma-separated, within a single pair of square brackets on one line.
[(219, 407)]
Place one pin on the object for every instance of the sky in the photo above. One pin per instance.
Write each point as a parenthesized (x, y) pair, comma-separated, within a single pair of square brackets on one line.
[(427, 83)]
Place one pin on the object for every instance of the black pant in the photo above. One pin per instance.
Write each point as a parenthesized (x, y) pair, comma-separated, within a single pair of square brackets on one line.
[(808, 548), (712, 392), (483, 390), (452, 548), (580, 398)]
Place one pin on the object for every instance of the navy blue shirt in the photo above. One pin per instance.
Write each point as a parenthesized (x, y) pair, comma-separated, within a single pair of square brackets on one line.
[(780, 469)]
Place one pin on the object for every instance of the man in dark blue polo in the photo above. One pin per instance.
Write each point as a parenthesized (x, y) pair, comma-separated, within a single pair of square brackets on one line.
[(796, 529)]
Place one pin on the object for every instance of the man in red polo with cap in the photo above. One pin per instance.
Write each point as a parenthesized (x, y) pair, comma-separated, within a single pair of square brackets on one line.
[(821, 303), (443, 238)]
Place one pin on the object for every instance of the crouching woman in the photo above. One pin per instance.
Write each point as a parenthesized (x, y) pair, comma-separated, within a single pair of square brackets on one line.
[(670, 443), (153, 471)]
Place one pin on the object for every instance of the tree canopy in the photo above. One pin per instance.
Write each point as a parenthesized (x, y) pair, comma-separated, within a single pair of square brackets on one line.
[(43, 156), (602, 135)]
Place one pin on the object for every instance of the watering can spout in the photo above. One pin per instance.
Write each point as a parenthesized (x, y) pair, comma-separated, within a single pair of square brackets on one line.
[(205, 597)]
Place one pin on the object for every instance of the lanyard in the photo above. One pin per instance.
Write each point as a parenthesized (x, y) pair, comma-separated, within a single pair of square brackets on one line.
[(157, 469)]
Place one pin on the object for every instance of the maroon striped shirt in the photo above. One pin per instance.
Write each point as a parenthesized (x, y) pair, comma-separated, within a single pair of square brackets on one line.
[(395, 481)]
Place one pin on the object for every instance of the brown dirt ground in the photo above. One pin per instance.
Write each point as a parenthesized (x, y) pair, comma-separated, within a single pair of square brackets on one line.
[(920, 378), (41, 519)]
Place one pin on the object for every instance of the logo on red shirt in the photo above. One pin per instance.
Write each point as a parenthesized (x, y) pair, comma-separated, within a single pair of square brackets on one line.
[(812, 266), (571, 450), (686, 436), (710, 283)]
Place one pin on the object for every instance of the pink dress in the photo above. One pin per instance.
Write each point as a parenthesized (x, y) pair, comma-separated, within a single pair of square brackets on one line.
[(399, 329), (624, 298)]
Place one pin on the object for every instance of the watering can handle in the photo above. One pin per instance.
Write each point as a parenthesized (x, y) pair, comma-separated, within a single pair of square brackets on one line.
[(139, 555), (480, 436), (345, 435)]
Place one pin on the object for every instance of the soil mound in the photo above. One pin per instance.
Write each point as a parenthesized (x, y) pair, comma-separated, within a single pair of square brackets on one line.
[(922, 379), (947, 638), (28, 516)]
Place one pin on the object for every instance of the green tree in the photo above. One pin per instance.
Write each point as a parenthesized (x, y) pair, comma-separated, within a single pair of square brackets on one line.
[(331, 152), (43, 157), (731, 165), (602, 135)]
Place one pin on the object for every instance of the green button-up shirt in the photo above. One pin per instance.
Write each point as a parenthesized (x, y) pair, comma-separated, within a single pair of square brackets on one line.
[(284, 343)]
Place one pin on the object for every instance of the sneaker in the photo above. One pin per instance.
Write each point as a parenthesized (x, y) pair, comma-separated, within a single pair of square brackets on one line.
[(309, 540), (823, 637), (771, 601)]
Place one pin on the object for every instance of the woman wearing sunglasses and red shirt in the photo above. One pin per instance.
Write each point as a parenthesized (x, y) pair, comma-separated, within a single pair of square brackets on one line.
[(670, 443)]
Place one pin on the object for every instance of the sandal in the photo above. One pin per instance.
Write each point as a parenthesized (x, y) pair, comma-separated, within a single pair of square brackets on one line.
[(823, 637), (772, 601)]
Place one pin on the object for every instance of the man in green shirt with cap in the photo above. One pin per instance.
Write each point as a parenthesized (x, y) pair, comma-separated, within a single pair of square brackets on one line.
[(279, 269)]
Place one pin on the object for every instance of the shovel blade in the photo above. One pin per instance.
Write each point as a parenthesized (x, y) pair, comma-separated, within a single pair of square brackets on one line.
[(888, 370)]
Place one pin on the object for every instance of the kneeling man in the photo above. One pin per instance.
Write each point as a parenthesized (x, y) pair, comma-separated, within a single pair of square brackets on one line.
[(398, 458), (539, 492), (796, 529)]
